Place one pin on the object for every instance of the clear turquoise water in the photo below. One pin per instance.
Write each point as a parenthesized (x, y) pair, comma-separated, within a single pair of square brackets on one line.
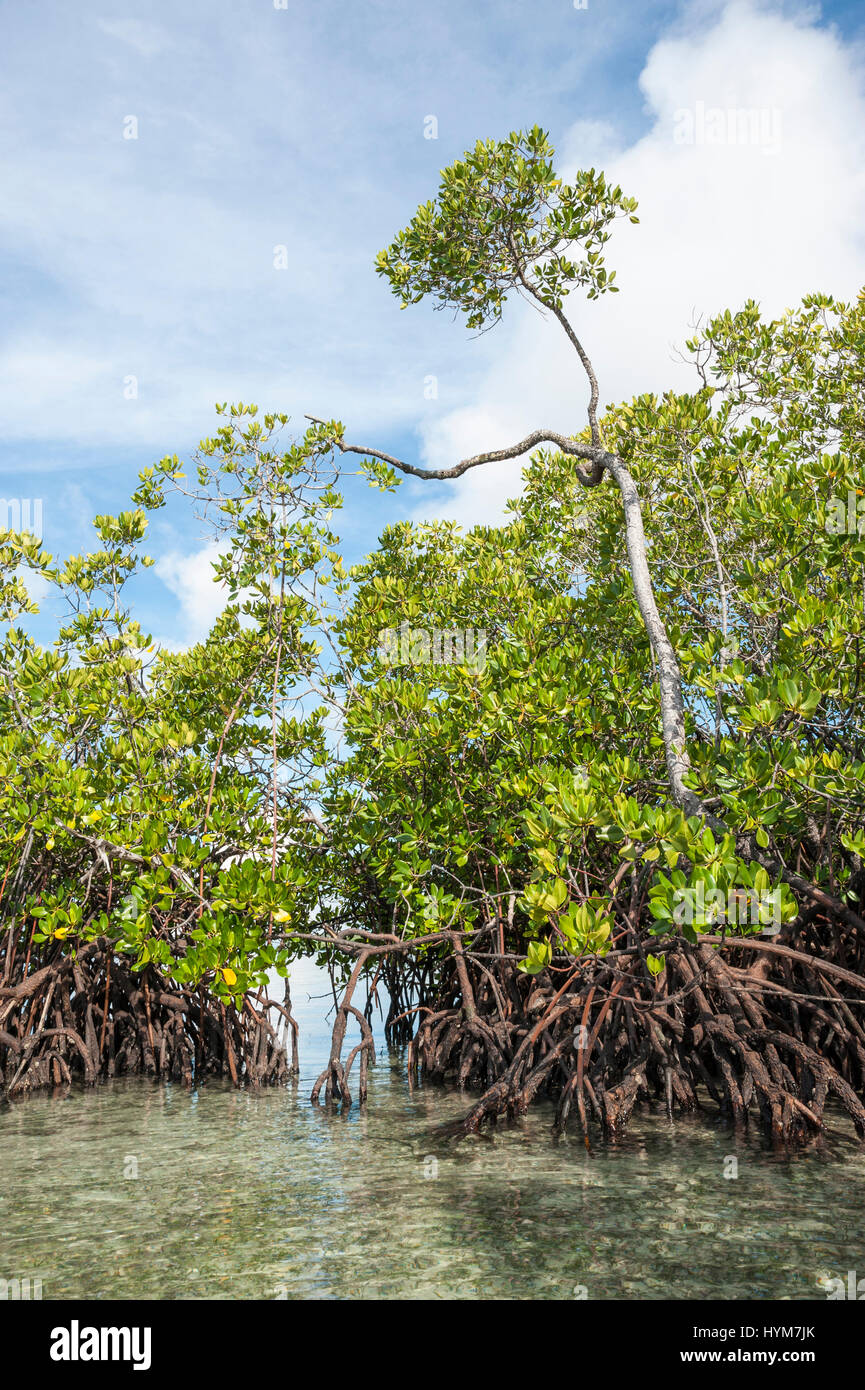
[(260, 1196)]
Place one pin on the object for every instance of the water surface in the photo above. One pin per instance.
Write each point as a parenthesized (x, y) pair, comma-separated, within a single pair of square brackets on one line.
[(136, 1190)]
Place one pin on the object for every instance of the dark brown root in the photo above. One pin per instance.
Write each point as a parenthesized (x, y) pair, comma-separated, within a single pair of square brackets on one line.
[(335, 1076), (765, 1032), (88, 1017)]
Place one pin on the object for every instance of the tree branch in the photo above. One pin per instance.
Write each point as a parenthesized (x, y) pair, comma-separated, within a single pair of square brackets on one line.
[(576, 448), (669, 674)]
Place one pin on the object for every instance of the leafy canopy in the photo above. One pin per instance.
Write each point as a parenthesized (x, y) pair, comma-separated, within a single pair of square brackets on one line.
[(284, 784), (503, 220)]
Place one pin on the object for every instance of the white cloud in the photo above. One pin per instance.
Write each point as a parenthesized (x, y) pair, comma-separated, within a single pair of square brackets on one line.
[(720, 223), (153, 256), (190, 578), (37, 586), (460, 434)]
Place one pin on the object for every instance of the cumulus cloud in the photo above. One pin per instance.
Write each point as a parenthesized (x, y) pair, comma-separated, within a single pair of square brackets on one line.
[(200, 599), (766, 203), (153, 172)]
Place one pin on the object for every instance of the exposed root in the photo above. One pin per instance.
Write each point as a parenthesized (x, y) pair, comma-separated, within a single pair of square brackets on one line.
[(88, 1017), (765, 1033), (335, 1076), (766, 1044)]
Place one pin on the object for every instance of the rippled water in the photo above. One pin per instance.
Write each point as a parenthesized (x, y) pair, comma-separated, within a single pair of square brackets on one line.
[(260, 1196)]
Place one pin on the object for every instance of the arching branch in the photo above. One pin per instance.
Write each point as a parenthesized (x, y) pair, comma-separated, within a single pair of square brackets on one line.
[(576, 448), (669, 674)]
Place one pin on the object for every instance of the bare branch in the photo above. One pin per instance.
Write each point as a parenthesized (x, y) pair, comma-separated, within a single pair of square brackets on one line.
[(669, 674), (576, 448)]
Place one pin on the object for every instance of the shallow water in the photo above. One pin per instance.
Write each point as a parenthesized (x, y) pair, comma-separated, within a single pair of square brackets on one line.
[(133, 1190)]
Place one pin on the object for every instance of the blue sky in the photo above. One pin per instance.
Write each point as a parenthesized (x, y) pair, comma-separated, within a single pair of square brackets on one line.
[(304, 127)]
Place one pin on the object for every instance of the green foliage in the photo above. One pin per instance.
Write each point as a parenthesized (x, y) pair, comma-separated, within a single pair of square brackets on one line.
[(196, 809), (149, 797), (541, 779), (503, 220)]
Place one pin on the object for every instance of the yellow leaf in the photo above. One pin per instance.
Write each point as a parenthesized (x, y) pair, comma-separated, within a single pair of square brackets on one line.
[(228, 975)]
